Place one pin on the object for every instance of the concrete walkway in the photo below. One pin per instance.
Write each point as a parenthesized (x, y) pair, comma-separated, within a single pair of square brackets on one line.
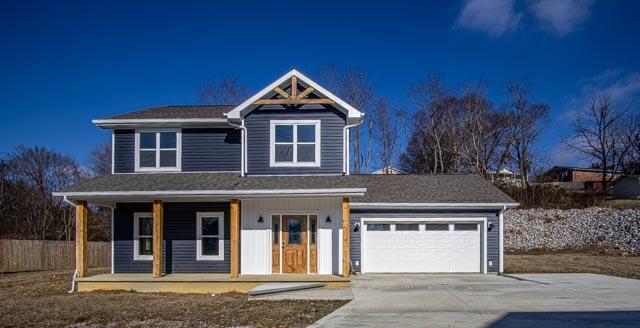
[(474, 300)]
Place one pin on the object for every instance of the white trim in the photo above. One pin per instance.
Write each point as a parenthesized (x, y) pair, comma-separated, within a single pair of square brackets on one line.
[(136, 122), (432, 205), (112, 243), (241, 110), (113, 151), (392, 221), (501, 223), (220, 256), (136, 236), (294, 143), (222, 193), (158, 168)]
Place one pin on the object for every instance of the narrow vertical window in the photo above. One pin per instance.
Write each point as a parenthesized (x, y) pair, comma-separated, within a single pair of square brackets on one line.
[(143, 236), (275, 229), (313, 227), (210, 232)]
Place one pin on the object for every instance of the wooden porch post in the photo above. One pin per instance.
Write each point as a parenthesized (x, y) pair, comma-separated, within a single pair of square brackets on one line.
[(81, 238), (235, 225), (158, 217), (346, 229)]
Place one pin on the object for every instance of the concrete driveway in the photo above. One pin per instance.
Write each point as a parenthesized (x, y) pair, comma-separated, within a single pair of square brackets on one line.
[(474, 300)]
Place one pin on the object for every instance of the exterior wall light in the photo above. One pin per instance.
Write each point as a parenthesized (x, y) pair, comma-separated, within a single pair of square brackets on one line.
[(490, 226), (260, 219), (328, 220), (356, 227)]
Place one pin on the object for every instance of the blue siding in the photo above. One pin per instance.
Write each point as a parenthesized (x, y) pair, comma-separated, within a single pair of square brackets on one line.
[(332, 122), (493, 236), (179, 238), (210, 150), (124, 151)]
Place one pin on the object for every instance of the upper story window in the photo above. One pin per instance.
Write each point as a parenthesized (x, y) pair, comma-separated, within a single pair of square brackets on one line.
[(295, 143), (158, 150)]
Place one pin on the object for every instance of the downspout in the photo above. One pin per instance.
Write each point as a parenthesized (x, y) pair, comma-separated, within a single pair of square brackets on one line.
[(243, 137), (345, 147), (501, 222)]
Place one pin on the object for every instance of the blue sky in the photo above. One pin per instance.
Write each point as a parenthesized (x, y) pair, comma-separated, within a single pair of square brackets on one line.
[(65, 63)]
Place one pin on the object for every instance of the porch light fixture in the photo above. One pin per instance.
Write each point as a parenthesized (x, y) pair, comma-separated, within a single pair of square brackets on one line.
[(490, 226), (328, 220), (356, 227), (260, 219)]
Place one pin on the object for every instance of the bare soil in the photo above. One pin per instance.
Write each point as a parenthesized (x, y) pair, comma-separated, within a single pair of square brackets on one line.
[(40, 299), (621, 266)]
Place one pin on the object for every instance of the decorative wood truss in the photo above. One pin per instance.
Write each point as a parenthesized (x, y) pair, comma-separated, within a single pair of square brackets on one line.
[(294, 98)]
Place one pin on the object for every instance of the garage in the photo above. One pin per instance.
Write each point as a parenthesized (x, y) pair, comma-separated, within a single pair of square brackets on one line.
[(422, 246)]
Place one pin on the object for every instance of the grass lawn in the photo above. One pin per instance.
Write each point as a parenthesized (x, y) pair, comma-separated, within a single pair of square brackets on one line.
[(621, 266), (41, 299)]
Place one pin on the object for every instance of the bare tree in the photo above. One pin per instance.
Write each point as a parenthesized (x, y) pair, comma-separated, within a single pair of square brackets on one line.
[(353, 86), (226, 91), (99, 158), (602, 133), (528, 122), (388, 125), (632, 163)]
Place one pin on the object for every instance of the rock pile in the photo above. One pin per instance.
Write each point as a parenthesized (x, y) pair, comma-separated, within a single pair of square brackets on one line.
[(576, 228)]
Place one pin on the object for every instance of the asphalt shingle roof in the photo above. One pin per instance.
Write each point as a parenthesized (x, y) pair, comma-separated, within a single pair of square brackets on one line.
[(451, 188), (176, 112)]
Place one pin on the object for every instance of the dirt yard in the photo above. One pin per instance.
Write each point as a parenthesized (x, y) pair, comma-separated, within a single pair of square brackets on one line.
[(621, 266), (40, 299)]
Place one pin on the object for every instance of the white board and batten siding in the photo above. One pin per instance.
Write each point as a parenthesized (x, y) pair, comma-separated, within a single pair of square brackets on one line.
[(255, 237)]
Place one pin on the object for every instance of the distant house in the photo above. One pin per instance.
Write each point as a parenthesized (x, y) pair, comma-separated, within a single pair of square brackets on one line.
[(627, 187), (389, 170), (578, 178), (504, 175)]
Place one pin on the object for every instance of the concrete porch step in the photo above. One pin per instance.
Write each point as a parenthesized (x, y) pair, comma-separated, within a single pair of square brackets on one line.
[(281, 287)]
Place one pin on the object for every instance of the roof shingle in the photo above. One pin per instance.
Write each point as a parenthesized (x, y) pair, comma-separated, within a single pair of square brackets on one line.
[(176, 112)]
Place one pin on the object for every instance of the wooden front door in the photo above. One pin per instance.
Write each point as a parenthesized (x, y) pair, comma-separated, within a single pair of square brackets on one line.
[(294, 244)]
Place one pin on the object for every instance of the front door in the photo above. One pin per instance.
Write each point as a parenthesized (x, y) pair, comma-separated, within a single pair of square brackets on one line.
[(294, 244)]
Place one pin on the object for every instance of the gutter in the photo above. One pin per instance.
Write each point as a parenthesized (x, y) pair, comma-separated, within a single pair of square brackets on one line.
[(119, 123), (221, 193), (433, 205)]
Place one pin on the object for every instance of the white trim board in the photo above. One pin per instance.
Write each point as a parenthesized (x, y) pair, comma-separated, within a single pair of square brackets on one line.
[(357, 205), (226, 193)]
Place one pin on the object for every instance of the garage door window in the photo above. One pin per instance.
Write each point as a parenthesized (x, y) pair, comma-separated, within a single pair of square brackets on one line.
[(436, 227), (407, 227), (465, 227), (379, 227)]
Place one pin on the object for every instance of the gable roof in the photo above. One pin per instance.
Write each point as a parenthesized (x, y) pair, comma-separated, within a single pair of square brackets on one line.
[(367, 190), (168, 114), (236, 115)]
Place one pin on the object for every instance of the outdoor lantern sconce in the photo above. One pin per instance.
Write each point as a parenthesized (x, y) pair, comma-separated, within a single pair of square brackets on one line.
[(260, 219), (356, 227), (490, 226), (328, 220)]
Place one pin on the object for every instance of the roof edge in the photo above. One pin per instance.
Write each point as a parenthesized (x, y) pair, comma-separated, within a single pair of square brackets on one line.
[(219, 193), (134, 122), (477, 205)]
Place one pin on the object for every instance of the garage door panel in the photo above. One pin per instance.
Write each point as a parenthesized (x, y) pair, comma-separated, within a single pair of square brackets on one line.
[(435, 250)]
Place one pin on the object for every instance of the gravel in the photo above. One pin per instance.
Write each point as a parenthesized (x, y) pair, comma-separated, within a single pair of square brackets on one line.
[(555, 229)]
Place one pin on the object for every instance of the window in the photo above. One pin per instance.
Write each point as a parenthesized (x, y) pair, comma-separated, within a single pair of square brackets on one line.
[(407, 227), (158, 150), (465, 227), (295, 143), (210, 236), (142, 236), (378, 227), (275, 228), (436, 227), (313, 223)]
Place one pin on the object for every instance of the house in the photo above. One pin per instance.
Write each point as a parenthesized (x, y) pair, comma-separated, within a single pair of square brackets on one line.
[(577, 177), (627, 187), (219, 198), (389, 170), (504, 175)]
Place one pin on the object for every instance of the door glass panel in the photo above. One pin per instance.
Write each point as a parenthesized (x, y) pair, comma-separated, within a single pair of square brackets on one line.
[(378, 227), (275, 228), (294, 231), (407, 227), (465, 227), (436, 227)]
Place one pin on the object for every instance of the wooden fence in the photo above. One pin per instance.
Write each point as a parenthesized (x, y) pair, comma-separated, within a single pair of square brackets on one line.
[(37, 255)]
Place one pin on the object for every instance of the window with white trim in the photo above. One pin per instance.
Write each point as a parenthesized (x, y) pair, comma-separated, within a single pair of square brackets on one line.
[(295, 143), (142, 236), (158, 150), (210, 236)]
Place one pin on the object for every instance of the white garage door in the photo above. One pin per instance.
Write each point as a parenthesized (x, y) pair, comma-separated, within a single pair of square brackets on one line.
[(421, 247)]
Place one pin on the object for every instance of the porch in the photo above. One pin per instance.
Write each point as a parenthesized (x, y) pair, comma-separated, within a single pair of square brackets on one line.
[(199, 282)]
